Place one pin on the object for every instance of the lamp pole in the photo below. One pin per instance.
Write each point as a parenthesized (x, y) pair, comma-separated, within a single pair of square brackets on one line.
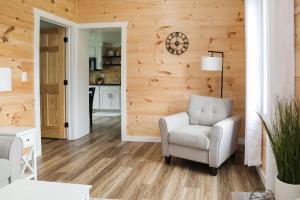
[(222, 72)]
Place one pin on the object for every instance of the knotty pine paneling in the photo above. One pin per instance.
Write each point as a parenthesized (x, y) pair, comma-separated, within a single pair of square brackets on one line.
[(16, 51), (160, 83)]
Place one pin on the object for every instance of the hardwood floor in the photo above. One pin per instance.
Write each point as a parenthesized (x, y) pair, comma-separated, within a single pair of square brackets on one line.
[(136, 170)]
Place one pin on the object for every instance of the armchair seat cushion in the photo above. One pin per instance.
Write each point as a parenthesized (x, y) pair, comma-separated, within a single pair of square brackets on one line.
[(195, 136)]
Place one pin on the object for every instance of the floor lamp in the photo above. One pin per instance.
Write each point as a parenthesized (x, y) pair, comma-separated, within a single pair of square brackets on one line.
[(214, 63)]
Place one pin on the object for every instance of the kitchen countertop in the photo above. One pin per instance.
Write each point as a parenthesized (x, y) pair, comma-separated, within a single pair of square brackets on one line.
[(106, 84)]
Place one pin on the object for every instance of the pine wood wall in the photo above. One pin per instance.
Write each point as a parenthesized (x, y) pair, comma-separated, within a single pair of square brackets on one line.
[(16, 51), (160, 83)]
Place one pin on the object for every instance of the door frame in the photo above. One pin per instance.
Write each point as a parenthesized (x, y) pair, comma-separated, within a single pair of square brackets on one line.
[(69, 25), (71, 30), (123, 26)]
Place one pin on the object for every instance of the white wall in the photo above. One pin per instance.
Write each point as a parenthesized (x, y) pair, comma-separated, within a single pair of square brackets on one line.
[(98, 38), (80, 84)]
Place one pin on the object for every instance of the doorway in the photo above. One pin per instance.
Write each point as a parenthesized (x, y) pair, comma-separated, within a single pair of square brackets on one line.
[(113, 105), (52, 76), (104, 76), (77, 74)]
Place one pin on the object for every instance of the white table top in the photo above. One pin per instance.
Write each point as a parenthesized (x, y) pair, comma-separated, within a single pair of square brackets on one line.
[(15, 131), (42, 190), (246, 195)]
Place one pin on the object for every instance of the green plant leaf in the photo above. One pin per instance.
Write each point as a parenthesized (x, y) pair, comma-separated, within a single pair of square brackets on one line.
[(283, 130)]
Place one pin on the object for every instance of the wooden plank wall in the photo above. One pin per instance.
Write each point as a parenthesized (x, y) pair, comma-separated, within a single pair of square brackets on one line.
[(16, 51), (160, 83)]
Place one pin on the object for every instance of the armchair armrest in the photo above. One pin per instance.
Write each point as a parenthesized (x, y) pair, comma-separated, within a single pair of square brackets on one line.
[(171, 122), (223, 140), (11, 149)]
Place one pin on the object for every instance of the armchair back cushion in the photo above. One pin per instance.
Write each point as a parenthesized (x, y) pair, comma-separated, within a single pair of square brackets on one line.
[(207, 111)]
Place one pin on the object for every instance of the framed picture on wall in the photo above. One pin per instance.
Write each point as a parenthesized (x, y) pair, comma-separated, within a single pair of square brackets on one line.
[(92, 63)]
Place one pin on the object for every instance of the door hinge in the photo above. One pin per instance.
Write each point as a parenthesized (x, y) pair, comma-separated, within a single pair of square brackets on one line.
[(65, 82), (66, 124), (65, 39)]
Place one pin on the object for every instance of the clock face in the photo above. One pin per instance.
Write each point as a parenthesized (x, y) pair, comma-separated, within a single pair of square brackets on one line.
[(177, 43)]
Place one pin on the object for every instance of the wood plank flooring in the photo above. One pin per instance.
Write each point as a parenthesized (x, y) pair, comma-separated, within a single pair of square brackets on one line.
[(135, 170)]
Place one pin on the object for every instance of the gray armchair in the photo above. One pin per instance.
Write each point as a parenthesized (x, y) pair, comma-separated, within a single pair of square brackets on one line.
[(207, 133), (10, 159)]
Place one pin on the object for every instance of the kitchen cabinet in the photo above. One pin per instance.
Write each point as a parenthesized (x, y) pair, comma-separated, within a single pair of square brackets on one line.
[(96, 52), (110, 98), (107, 98), (115, 101), (92, 52)]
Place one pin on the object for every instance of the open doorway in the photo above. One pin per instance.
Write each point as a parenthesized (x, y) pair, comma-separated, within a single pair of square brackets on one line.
[(105, 79), (52, 80)]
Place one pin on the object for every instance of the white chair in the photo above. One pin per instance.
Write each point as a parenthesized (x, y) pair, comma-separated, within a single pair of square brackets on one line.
[(207, 133)]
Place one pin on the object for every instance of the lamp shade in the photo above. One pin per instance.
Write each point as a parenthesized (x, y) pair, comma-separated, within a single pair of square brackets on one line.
[(5, 79), (210, 63)]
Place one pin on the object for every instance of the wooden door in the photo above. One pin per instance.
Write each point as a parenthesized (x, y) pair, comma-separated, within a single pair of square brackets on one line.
[(52, 89)]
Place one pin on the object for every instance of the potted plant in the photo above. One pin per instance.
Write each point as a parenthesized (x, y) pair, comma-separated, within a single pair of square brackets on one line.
[(284, 135)]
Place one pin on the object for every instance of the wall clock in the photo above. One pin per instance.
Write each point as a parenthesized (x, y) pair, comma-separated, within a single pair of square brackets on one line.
[(177, 43)]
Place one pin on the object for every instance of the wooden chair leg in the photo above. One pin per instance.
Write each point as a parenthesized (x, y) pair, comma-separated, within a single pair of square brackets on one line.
[(167, 160)]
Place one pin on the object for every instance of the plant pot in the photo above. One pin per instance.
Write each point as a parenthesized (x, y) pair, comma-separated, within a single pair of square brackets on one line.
[(285, 191)]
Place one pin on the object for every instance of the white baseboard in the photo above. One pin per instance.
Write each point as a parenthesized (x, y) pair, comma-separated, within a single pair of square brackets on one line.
[(142, 139), (261, 175)]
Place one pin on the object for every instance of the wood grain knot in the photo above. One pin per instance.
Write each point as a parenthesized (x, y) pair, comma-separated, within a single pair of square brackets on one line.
[(164, 27), (154, 80), (231, 33), (165, 72), (4, 37), (148, 100), (159, 42)]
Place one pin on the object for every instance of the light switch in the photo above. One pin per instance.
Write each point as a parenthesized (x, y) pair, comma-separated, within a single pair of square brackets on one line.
[(24, 76)]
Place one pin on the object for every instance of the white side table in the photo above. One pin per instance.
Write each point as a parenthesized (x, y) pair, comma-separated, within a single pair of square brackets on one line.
[(29, 166), (42, 190)]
